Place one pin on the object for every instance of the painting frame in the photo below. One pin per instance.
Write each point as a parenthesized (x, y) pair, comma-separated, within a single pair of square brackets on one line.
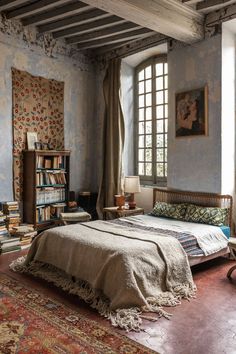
[(191, 112), (32, 138)]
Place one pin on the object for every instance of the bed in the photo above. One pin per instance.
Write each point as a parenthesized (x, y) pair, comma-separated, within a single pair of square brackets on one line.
[(126, 267), (203, 199)]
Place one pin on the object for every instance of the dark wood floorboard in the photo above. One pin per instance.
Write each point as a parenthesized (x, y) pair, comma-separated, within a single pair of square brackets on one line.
[(205, 325)]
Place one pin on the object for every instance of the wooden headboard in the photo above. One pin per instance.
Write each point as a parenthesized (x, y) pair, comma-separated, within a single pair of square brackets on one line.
[(198, 198)]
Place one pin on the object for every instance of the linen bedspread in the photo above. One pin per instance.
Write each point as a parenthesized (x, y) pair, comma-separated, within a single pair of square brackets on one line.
[(131, 268)]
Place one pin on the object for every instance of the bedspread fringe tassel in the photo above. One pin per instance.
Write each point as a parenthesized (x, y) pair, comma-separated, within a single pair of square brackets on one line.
[(129, 319)]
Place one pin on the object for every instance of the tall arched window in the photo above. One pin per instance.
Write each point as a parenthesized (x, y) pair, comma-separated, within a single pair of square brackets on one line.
[(152, 120)]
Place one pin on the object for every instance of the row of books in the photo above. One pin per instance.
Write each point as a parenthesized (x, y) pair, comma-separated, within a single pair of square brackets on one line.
[(49, 212), (50, 162), (50, 195), (50, 177)]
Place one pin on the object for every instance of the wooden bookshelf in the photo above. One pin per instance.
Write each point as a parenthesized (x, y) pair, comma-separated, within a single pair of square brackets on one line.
[(46, 177)]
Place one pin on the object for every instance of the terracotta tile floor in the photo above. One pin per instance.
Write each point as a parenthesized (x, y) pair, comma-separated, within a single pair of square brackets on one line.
[(205, 325)]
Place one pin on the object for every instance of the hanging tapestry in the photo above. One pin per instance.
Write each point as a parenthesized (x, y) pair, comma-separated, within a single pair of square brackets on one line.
[(38, 106)]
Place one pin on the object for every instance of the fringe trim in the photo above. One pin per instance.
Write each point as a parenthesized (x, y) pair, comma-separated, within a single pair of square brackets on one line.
[(129, 319)]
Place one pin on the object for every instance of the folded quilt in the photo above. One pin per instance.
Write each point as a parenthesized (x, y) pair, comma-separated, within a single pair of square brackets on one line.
[(119, 270)]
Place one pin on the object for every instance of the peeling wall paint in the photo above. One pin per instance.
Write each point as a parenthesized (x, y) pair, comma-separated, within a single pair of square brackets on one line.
[(194, 163), (21, 49)]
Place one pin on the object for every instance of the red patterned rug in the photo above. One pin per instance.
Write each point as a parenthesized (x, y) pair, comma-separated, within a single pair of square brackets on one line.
[(32, 323)]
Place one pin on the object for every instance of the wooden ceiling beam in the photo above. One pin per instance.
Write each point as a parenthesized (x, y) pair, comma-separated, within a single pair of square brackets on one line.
[(190, 2), (62, 11), (220, 16), (116, 38), (169, 17), (71, 20), (32, 8), (124, 49), (114, 30), (103, 22), (208, 4), (6, 4)]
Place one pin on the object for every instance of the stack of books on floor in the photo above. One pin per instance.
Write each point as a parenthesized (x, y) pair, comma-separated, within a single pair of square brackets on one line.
[(9, 244), (3, 228), (11, 210), (25, 233)]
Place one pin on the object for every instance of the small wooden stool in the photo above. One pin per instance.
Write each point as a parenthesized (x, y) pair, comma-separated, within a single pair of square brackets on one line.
[(232, 246), (76, 217)]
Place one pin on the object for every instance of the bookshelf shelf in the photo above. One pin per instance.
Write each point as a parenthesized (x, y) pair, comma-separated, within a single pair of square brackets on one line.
[(50, 185), (45, 186)]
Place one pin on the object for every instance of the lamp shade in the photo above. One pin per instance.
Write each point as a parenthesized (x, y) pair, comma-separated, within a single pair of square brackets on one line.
[(132, 184)]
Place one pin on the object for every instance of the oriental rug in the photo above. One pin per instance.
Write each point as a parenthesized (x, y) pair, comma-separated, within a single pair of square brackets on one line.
[(37, 106), (31, 322)]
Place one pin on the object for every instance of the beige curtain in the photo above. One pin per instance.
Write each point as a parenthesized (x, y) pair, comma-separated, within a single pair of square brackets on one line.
[(113, 138)]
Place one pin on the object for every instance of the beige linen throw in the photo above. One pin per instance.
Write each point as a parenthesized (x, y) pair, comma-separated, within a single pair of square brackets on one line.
[(120, 271)]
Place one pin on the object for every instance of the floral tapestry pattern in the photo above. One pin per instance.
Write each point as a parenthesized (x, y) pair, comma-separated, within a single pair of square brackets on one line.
[(38, 106)]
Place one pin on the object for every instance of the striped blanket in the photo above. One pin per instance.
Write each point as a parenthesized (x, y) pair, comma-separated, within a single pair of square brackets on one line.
[(184, 232)]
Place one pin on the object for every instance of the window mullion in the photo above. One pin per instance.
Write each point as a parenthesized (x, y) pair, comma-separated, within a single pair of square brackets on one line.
[(154, 122)]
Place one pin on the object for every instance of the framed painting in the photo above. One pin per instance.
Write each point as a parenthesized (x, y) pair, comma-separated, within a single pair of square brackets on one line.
[(191, 112), (31, 140)]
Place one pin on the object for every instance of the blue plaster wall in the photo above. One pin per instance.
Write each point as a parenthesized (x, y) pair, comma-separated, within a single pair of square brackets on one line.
[(54, 61), (194, 163)]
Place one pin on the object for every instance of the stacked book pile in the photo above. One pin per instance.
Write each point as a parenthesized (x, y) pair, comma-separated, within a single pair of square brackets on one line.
[(25, 233), (3, 228), (11, 210), (9, 244)]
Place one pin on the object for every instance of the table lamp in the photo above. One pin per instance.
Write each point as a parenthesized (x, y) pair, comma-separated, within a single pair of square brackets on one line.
[(132, 185)]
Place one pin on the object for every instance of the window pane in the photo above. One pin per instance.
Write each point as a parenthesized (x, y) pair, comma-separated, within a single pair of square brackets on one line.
[(166, 125), (160, 155), (141, 154), (166, 110), (166, 68), (148, 141), (148, 155), (141, 87), (160, 112), (141, 141), (141, 75), (166, 140), (148, 72), (141, 101), (149, 127), (141, 114), (159, 97), (160, 140), (166, 96), (148, 169), (148, 113), (141, 168), (160, 170), (141, 128), (159, 83), (159, 126), (165, 169), (159, 69), (166, 81), (149, 99), (165, 154), (148, 85)]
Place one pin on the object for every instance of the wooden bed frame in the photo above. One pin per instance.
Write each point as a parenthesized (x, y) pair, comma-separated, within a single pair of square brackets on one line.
[(198, 198)]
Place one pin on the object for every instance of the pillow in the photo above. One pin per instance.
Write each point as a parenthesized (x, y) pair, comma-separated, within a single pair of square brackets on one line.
[(168, 210), (207, 215)]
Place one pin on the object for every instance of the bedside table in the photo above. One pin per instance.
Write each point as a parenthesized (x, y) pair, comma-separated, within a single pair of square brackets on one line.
[(121, 213)]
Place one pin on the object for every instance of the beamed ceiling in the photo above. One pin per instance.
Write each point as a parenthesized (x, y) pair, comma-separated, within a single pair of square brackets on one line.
[(112, 23)]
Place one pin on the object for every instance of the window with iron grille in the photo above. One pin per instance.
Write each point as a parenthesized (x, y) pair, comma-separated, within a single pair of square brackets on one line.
[(152, 120)]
